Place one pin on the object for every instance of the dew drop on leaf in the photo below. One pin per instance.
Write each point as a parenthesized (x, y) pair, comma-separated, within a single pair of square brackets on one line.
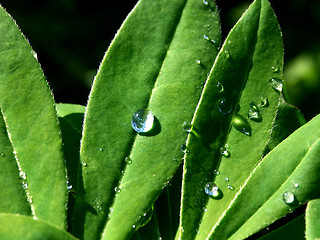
[(224, 106), (288, 198), (117, 189), (22, 175), (230, 187), (205, 2), (216, 172), (264, 102), (128, 160), (224, 152), (2, 154), (241, 124), (227, 179), (212, 190), (275, 69), (198, 61), (220, 87), (296, 185), (276, 84), (142, 121), (186, 126), (253, 113), (227, 54), (184, 148)]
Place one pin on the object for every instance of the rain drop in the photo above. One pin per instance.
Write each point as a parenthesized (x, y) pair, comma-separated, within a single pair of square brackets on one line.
[(264, 102), (296, 185), (101, 149), (227, 179), (128, 160), (208, 39), (84, 164), (216, 172), (253, 113), (276, 84), (230, 187), (198, 61), (220, 87), (117, 189), (212, 190), (2, 154), (288, 198), (22, 175), (241, 124), (224, 152), (275, 69), (224, 106), (186, 126), (142, 121)]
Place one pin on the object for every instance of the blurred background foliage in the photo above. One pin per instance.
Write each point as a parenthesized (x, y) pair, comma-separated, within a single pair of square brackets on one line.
[(71, 37)]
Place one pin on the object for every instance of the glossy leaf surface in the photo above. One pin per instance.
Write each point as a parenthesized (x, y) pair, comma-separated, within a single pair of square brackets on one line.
[(226, 142), (29, 114), (158, 60), (17, 227)]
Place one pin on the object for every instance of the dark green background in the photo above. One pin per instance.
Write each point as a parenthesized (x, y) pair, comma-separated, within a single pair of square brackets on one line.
[(70, 38)]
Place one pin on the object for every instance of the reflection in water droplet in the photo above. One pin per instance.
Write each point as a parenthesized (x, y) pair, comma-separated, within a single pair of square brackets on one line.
[(128, 160), (220, 87), (224, 152), (276, 84), (275, 69), (184, 148), (224, 106), (142, 121), (288, 198), (253, 113), (212, 190), (241, 124), (186, 126), (264, 102)]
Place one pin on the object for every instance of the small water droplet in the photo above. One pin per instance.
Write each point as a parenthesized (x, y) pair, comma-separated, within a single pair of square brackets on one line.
[(220, 87), (296, 185), (34, 54), (212, 190), (22, 175), (209, 39), (142, 121), (69, 187), (227, 179), (101, 149), (230, 187), (225, 106), (275, 69), (133, 226), (2, 154), (205, 2), (128, 160), (253, 113), (264, 102), (117, 189), (276, 84), (241, 124), (84, 164), (224, 152), (184, 148), (227, 54), (186, 126), (198, 61), (24, 185), (216, 172), (288, 198)]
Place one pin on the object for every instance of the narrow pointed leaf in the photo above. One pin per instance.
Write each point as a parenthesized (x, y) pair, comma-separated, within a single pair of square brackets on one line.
[(152, 63), (225, 138), (313, 220), (29, 114), (17, 227), (291, 182)]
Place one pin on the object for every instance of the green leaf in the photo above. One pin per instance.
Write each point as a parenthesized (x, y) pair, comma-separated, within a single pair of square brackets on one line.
[(150, 64), (239, 79), (290, 169), (29, 115), (292, 230), (71, 119), (313, 220), (17, 227)]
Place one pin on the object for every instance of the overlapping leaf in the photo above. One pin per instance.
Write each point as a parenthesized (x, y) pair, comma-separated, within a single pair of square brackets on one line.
[(31, 123), (158, 60), (312, 219), (239, 93)]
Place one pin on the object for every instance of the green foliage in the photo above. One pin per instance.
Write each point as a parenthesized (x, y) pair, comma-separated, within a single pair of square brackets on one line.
[(224, 148)]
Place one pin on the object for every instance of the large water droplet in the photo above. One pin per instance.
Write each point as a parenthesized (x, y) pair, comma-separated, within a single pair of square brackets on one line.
[(212, 190), (224, 152), (253, 113), (241, 124), (142, 121), (264, 102), (288, 198), (186, 126), (146, 217), (276, 84), (224, 106)]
